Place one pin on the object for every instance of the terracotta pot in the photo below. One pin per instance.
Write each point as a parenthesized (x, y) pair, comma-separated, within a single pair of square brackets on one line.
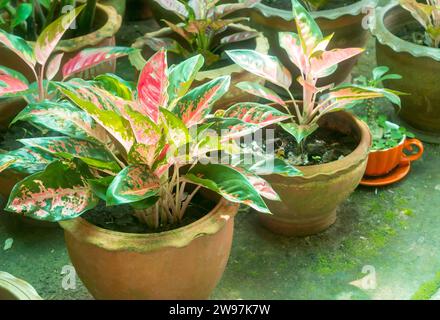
[(184, 263), (237, 74), (309, 202), (418, 65), (108, 23), (381, 162), (345, 22), (12, 288), (119, 5)]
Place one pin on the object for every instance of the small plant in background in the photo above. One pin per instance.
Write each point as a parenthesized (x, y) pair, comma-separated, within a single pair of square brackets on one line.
[(44, 65), (385, 134), (148, 146), (202, 22), (307, 50), (29, 18), (428, 15)]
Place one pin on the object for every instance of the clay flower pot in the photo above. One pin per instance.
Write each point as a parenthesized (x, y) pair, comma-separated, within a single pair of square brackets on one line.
[(346, 22), (108, 23), (12, 288), (184, 263), (381, 162), (418, 65), (309, 202), (237, 74)]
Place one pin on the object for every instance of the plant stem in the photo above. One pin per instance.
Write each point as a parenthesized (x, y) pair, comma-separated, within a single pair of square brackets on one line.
[(188, 200)]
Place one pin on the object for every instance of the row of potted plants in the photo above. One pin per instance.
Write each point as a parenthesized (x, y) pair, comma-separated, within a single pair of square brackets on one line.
[(151, 173)]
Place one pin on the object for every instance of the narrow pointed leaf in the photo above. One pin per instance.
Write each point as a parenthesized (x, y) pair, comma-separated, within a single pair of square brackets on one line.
[(299, 132), (239, 36), (13, 73), (10, 85), (255, 113), (229, 183), (134, 183), (260, 91), (6, 165), (291, 43), (19, 46), (175, 6), (54, 65), (225, 9), (308, 30)]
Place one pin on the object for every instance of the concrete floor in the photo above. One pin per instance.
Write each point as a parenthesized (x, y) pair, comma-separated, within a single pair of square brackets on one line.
[(387, 239)]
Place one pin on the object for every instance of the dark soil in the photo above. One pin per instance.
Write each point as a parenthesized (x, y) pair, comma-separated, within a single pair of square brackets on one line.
[(287, 4), (320, 147), (23, 130), (121, 218), (414, 33)]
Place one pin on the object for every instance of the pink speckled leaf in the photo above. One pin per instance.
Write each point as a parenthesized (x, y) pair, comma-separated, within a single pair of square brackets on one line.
[(255, 113), (19, 46), (260, 91), (152, 85), (228, 8), (175, 6), (327, 59), (54, 65), (89, 58), (60, 192), (197, 103), (51, 35), (134, 183), (10, 85), (291, 43)]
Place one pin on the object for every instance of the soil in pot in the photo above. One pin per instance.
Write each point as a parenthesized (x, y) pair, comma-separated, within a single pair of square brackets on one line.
[(287, 4), (413, 32), (122, 219)]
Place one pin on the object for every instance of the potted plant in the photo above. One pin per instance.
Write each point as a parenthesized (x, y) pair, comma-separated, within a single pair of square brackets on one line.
[(408, 42), (389, 139), (96, 27), (12, 288), (346, 19), (329, 145), (44, 65), (148, 152), (206, 30)]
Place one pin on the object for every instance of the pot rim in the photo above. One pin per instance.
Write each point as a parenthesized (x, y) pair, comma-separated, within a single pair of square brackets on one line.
[(19, 288), (330, 14), (391, 148), (385, 37), (261, 46), (111, 240), (109, 29)]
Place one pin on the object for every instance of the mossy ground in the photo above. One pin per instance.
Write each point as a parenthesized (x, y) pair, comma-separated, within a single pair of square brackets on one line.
[(392, 233)]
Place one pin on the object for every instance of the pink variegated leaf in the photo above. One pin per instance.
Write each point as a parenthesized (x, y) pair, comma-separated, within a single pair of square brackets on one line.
[(260, 91), (308, 30), (175, 6), (197, 103), (10, 85), (255, 113), (179, 30), (239, 36), (168, 44), (265, 66), (89, 58), (152, 85), (54, 65), (19, 46), (309, 86), (327, 59), (262, 186), (291, 43), (52, 34), (142, 154), (228, 8), (145, 131)]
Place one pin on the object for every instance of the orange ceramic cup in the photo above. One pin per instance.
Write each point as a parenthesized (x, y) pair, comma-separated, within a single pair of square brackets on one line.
[(381, 162)]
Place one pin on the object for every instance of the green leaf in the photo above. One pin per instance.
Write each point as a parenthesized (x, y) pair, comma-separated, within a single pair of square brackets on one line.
[(299, 132), (19, 46), (100, 186), (229, 183), (134, 183), (116, 85), (308, 30), (60, 192), (23, 12), (378, 72), (26, 160), (175, 129)]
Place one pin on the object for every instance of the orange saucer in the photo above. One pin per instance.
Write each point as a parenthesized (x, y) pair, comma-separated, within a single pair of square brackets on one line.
[(395, 175)]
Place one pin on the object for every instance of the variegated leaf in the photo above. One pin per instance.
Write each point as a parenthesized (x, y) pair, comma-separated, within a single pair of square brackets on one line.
[(6, 165), (231, 128), (239, 36), (152, 85), (291, 43), (265, 66), (327, 59), (261, 163), (115, 85), (65, 118), (196, 104), (19, 46), (143, 154), (145, 130), (260, 185), (134, 183), (52, 34), (10, 85), (299, 132), (255, 113), (26, 160), (175, 129), (180, 30), (175, 6), (181, 77), (260, 91), (89, 58), (228, 8), (229, 183), (60, 192), (308, 30), (13, 73), (89, 152), (54, 65)]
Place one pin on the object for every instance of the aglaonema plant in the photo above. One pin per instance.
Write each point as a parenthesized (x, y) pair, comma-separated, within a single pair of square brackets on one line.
[(428, 15), (307, 49), (202, 22), (148, 145), (45, 62)]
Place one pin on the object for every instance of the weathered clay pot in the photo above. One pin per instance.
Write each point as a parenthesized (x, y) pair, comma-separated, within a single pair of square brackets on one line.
[(346, 22), (184, 263), (381, 162), (108, 23), (237, 74), (309, 202), (12, 288), (418, 65)]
